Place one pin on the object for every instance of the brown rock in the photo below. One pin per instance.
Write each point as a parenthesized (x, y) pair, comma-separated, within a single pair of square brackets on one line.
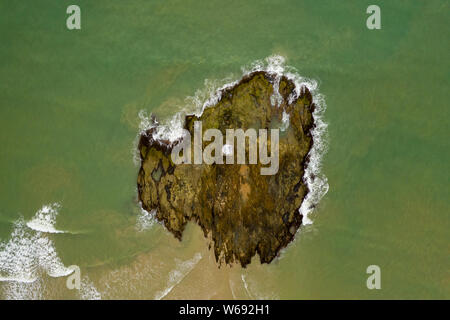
[(240, 210)]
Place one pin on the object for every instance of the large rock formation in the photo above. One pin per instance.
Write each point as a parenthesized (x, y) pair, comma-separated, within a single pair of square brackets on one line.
[(240, 210)]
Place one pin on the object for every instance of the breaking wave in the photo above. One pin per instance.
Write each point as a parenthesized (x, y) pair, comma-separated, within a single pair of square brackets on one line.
[(315, 180)]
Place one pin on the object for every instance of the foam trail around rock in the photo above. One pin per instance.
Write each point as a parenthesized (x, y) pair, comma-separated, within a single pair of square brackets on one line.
[(313, 177)]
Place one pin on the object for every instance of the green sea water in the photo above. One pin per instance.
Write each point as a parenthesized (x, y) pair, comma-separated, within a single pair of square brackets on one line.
[(69, 104)]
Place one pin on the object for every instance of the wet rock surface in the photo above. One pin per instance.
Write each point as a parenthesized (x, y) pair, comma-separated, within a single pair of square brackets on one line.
[(241, 211)]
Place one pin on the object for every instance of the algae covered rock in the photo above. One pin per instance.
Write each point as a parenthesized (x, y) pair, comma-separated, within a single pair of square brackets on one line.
[(242, 211)]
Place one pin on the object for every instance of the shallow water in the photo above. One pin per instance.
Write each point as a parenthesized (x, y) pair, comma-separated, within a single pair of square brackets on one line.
[(69, 118)]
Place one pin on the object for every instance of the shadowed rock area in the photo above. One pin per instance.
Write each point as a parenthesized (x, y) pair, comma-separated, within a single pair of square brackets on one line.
[(241, 211)]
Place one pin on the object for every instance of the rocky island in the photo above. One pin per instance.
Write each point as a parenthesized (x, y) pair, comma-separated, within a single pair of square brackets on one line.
[(240, 210)]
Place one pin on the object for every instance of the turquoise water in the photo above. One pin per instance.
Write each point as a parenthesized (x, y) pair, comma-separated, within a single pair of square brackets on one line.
[(69, 104)]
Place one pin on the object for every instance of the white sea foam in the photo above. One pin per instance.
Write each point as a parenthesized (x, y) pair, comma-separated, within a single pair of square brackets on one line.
[(145, 219), (24, 258), (231, 285), (172, 129), (315, 180), (30, 254), (45, 219), (88, 291), (182, 269), (227, 149), (15, 290), (285, 121), (250, 287), (27, 253), (246, 286)]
